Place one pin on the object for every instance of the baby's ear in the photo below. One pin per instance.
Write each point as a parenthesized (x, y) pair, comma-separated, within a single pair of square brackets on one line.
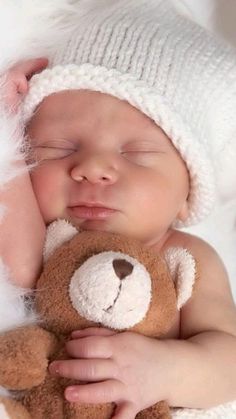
[(182, 268), (184, 212)]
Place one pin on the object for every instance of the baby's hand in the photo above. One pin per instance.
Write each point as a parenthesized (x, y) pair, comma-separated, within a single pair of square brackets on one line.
[(17, 80), (125, 368)]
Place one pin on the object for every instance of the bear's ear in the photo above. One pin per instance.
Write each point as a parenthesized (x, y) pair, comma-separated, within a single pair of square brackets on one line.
[(58, 232), (182, 268)]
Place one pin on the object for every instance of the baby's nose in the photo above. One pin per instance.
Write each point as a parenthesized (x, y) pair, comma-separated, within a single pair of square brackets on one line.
[(95, 169)]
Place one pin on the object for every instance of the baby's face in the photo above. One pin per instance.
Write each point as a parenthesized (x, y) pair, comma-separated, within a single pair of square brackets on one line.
[(104, 165)]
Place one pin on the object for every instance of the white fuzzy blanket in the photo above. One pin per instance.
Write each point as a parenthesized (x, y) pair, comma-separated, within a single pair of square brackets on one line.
[(30, 28)]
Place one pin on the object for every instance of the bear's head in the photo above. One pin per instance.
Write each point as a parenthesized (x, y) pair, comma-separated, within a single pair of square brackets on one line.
[(95, 278)]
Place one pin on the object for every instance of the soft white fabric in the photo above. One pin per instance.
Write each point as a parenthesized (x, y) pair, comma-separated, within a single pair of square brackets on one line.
[(31, 28), (14, 311), (226, 411)]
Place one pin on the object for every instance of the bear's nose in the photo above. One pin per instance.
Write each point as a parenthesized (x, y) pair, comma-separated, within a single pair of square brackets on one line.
[(122, 268)]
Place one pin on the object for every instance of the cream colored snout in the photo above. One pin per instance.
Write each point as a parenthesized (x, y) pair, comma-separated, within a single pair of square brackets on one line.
[(111, 288)]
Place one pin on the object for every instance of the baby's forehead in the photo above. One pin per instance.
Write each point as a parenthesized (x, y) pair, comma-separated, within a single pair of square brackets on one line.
[(90, 107), (78, 99)]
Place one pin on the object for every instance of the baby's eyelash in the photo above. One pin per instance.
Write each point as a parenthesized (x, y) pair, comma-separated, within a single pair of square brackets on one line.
[(54, 147), (143, 151), (49, 152), (142, 157)]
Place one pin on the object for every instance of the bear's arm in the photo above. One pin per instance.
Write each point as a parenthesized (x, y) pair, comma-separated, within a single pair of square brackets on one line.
[(24, 355)]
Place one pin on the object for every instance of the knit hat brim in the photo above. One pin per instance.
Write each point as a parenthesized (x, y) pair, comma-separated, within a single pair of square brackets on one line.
[(144, 98)]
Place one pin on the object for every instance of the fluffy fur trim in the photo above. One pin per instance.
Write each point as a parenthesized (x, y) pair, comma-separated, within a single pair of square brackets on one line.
[(11, 144), (14, 309), (30, 28)]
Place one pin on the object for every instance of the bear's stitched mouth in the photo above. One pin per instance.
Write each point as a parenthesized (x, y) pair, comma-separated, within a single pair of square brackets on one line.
[(109, 309), (122, 269)]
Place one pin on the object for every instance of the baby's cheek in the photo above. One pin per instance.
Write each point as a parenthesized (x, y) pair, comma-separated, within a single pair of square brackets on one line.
[(49, 195), (52, 209)]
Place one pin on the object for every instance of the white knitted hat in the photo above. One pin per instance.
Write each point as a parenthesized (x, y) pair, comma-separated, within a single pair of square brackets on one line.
[(144, 52)]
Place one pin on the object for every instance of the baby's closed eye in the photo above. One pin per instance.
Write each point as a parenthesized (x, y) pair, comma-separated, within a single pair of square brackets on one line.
[(140, 156), (53, 150), (142, 153)]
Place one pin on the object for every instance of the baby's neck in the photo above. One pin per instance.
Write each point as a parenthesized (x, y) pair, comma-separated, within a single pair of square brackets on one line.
[(158, 244)]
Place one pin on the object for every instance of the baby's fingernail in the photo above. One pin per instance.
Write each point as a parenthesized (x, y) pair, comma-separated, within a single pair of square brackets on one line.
[(71, 394), (54, 368)]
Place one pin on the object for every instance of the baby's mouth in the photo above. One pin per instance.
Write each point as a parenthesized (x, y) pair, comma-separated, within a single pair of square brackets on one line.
[(91, 212)]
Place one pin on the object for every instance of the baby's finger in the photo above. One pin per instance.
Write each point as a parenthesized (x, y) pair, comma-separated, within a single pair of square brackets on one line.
[(103, 392), (89, 347), (85, 370), (30, 67), (92, 331)]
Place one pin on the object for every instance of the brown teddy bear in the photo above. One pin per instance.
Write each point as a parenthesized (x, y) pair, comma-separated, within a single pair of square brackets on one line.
[(89, 279)]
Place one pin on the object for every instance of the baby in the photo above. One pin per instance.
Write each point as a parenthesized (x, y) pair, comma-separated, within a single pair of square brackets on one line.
[(119, 140)]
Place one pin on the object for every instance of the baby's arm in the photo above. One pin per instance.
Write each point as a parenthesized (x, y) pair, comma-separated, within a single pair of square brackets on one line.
[(22, 229), (134, 371), (206, 357)]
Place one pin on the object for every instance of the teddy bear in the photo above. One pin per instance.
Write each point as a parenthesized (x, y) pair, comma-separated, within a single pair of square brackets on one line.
[(89, 279)]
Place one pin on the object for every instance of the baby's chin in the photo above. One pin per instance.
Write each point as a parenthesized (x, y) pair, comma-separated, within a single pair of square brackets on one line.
[(108, 228), (112, 223), (84, 225), (116, 225), (97, 225)]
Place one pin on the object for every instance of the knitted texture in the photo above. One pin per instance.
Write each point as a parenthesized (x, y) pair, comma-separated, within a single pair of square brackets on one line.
[(164, 65)]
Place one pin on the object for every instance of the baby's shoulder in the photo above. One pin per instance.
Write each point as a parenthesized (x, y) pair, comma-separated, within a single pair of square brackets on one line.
[(199, 248), (211, 306), (210, 266)]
